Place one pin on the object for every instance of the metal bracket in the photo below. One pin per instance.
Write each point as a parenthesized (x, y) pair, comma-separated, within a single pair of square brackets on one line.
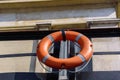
[(43, 26)]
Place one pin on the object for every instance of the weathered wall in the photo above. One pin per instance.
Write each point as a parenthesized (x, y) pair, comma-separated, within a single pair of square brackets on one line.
[(59, 15), (10, 61)]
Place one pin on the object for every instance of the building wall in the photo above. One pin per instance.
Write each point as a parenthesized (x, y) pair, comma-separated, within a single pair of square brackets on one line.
[(31, 16)]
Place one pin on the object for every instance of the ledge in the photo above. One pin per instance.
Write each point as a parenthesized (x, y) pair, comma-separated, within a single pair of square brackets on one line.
[(67, 23), (46, 3)]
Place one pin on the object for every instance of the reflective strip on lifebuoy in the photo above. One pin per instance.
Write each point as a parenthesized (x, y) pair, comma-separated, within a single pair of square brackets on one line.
[(84, 55)]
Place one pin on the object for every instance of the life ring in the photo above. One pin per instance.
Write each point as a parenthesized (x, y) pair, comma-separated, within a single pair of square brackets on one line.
[(84, 55)]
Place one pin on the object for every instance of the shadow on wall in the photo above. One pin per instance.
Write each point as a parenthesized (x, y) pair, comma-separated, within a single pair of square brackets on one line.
[(100, 75), (28, 76)]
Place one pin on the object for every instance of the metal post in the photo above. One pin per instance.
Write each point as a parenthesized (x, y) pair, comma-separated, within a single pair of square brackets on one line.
[(33, 58), (63, 54)]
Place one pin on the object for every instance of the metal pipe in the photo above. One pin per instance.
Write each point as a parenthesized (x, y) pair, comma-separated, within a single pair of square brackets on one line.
[(63, 54)]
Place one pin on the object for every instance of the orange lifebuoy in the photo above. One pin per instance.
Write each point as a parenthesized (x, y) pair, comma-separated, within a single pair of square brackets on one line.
[(84, 55)]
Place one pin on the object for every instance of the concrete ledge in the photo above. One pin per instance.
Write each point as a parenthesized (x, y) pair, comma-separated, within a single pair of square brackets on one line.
[(46, 3), (55, 24)]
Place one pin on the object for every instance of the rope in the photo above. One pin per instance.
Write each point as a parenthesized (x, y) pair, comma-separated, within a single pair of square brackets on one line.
[(83, 65)]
